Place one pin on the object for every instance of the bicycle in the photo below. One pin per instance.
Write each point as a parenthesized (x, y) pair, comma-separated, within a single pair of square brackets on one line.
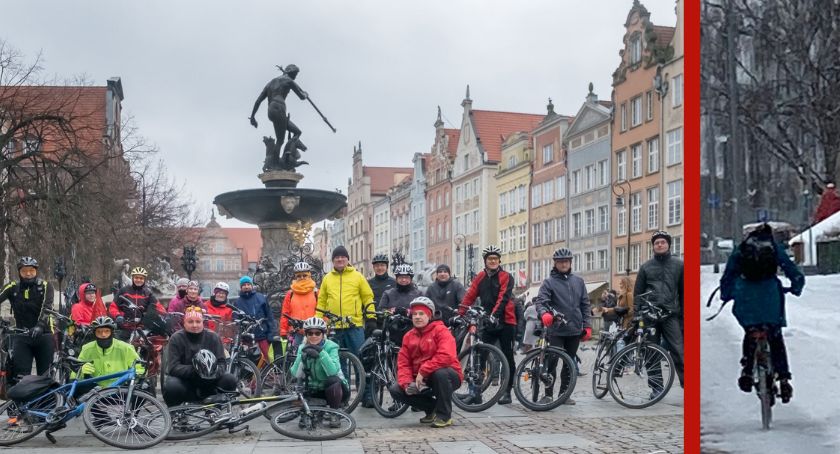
[(479, 362), (68, 345), (120, 416), (351, 365), (241, 350), (641, 374), (150, 346), (604, 351), (383, 352), (276, 376), (537, 373)]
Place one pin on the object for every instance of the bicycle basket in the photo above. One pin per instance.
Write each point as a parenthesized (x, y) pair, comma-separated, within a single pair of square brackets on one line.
[(30, 387)]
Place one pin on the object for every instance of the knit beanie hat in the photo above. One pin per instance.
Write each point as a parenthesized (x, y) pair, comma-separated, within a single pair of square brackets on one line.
[(443, 268), (340, 251)]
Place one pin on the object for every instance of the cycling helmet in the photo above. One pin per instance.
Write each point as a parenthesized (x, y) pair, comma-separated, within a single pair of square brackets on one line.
[(103, 321), (491, 250), (380, 258), (562, 253), (205, 364), (314, 323), (27, 261), (405, 270), (302, 267), (90, 288), (422, 301), (661, 234), (139, 271), (222, 286)]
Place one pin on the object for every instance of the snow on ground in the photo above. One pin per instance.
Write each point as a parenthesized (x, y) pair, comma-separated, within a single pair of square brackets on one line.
[(731, 419)]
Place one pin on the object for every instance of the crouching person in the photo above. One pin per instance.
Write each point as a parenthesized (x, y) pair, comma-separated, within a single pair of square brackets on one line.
[(196, 363), (427, 367), (105, 355), (317, 363)]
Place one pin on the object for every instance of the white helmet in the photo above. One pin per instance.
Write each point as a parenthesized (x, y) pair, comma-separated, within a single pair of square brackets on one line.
[(222, 286), (423, 301), (404, 269), (302, 267), (314, 323)]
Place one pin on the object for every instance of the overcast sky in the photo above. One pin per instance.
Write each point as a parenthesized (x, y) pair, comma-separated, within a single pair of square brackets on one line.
[(191, 71)]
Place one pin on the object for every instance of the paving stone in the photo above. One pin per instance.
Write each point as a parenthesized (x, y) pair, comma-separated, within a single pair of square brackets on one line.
[(466, 447), (542, 440)]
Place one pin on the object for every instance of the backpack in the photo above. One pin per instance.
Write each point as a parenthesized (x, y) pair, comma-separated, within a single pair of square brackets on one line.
[(758, 258)]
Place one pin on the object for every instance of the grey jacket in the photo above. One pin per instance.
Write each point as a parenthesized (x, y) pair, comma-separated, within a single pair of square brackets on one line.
[(565, 293), (663, 276), (394, 298), (446, 297)]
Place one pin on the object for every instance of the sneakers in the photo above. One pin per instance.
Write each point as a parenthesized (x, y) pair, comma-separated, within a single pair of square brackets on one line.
[(569, 401), (439, 423), (506, 399), (546, 400), (367, 404), (469, 399), (428, 419), (786, 390)]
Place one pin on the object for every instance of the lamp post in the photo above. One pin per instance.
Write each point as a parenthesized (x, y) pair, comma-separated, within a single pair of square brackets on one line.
[(59, 272), (142, 210), (471, 254), (621, 189), (189, 261), (459, 240)]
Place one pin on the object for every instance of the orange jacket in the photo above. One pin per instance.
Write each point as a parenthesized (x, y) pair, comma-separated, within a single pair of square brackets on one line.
[(297, 305)]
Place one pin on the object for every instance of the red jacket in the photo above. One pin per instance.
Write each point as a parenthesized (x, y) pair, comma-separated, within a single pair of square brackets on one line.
[(425, 351), (83, 312), (829, 204), (226, 313), (495, 291)]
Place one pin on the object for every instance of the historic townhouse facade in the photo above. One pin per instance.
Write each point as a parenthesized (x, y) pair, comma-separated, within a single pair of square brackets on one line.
[(382, 227), (672, 137), (589, 189), (439, 235), (417, 242), (513, 181), (400, 212)]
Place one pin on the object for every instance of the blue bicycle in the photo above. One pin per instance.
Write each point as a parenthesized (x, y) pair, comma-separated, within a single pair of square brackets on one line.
[(119, 415)]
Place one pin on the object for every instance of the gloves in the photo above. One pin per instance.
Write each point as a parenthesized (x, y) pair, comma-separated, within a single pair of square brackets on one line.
[(586, 334), (139, 369), (313, 351), (36, 331), (547, 319), (88, 369), (412, 389), (120, 319)]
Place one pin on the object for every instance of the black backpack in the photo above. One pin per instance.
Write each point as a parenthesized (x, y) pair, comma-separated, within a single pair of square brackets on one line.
[(758, 258)]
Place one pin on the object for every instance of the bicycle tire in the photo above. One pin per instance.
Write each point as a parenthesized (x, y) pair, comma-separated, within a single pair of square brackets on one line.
[(202, 424), (37, 424), (164, 360), (248, 380), (469, 374), (766, 401), (275, 378), (379, 389), (355, 378), (618, 365), (113, 399), (600, 387), (290, 426), (524, 374)]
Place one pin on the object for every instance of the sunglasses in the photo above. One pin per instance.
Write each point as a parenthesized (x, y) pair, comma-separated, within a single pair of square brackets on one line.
[(314, 333)]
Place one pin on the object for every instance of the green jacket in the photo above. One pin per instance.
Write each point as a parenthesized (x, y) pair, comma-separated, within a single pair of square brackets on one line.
[(117, 358), (325, 366), (346, 294)]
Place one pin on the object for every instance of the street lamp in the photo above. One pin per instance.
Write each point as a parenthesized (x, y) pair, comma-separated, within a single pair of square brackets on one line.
[(459, 240), (621, 189), (189, 260), (142, 210), (59, 272)]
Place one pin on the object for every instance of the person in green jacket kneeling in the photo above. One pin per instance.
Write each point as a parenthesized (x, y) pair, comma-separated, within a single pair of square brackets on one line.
[(317, 362), (105, 355)]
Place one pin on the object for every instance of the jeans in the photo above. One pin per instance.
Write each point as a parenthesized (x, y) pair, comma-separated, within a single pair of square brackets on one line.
[(351, 339), (438, 399)]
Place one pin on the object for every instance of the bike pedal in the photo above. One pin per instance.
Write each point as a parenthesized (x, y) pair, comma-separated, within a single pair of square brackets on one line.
[(50, 438)]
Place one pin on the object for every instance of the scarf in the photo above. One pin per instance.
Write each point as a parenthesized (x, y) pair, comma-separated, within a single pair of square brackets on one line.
[(303, 286)]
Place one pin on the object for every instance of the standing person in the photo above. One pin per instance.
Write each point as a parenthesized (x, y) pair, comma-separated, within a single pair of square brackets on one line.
[(191, 298), (446, 292), (662, 275), (346, 293), (750, 279), (181, 285), (381, 281), (565, 293), (90, 307), (255, 304), (300, 301), (29, 297), (398, 299), (608, 303), (218, 306), (624, 306), (146, 306), (428, 370), (529, 339), (494, 286)]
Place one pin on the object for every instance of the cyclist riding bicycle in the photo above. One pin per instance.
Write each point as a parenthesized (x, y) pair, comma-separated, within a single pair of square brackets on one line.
[(106, 355), (29, 298), (300, 300), (317, 361), (750, 279), (90, 307), (137, 294), (196, 362)]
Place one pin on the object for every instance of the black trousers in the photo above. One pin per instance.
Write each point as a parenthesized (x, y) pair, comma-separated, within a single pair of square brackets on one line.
[(570, 344), (505, 336), (778, 351), (335, 391), (177, 390), (671, 329), (442, 383), (26, 348)]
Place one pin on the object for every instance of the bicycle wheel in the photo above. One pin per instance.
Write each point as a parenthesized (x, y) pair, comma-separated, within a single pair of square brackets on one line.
[(640, 375), (536, 377), (20, 424), (354, 372), (276, 378), (599, 372), (478, 391), (321, 424), (766, 396), (248, 380), (383, 403), (193, 421), (164, 360), (138, 423)]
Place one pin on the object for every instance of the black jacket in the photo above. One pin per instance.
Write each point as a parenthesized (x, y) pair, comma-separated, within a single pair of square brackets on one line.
[(663, 275), (398, 299), (565, 293), (447, 297), (379, 284), (28, 302), (495, 292), (182, 349)]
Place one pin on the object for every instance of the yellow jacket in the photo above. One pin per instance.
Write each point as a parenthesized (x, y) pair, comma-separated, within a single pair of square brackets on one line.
[(345, 294)]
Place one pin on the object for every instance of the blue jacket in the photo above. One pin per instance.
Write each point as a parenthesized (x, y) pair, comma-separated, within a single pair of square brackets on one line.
[(759, 302), (255, 305)]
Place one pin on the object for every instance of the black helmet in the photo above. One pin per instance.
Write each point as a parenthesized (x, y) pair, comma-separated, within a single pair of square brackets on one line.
[(90, 288), (205, 364), (562, 254), (661, 234), (380, 258), (491, 250), (27, 261), (103, 321)]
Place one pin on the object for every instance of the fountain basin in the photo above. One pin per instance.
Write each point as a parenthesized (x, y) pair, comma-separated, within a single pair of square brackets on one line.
[(280, 205)]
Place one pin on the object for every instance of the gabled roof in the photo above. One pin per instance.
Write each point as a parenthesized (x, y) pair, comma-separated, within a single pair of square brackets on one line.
[(383, 178), (491, 127), (454, 135), (249, 240), (589, 115), (663, 35)]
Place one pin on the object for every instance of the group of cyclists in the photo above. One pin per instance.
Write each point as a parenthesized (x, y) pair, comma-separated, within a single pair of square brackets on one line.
[(428, 370)]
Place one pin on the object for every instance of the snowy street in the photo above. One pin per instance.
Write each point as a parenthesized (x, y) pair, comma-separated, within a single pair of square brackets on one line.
[(730, 418)]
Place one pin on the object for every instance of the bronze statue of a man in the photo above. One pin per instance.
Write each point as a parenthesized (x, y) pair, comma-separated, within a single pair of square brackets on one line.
[(276, 91)]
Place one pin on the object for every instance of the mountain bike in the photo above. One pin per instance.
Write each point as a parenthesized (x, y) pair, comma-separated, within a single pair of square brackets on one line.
[(351, 365), (276, 377), (537, 373), (119, 415), (479, 362), (604, 352), (242, 351), (383, 352)]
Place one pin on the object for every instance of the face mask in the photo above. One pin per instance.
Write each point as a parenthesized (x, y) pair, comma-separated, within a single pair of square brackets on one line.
[(182, 293), (217, 303), (105, 343)]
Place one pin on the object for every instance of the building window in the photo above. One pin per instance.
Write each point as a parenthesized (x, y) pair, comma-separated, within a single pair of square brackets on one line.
[(548, 153), (588, 175), (536, 195), (604, 172), (590, 222), (466, 162), (636, 212), (576, 225), (621, 164), (602, 259), (653, 208), (674, 202), (503, 240), (458, 195), (220, 265), (621, 221), (512, 162), (548, 191), (674, 140), (676, 249), (446, 230), (636, 50), (635, 257), (653, 155), (620, 262), (523, 203), (636, 111), (31, 145), (676, 91), (649, 98), (603, 218), (438, 202), (476, 221), (446, 198), (636, 152), (624, 117), (548, 232), (536, 235), (560, 187), (220, 247), (511, 201), (523, 238), (502, 205), (576, 183), (589, 259)]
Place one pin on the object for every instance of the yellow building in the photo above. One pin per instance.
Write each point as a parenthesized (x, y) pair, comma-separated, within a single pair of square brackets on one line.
[(512, 185)]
